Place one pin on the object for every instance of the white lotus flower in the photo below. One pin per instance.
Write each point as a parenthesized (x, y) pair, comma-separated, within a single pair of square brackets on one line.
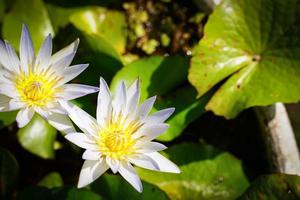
[(36, 83), (122, 135)]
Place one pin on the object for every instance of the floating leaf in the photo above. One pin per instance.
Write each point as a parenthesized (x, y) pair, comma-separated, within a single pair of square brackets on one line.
[(254, 46), (158, 75), (38, 137), (274, 186), (109, 24), (206, 173), (187, 109), (52, 180), (34, 14), (9, 170), (117, 188)]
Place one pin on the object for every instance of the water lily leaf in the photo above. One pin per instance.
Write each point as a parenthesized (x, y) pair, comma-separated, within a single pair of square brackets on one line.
[(158, 75), (109, 24), (274, 186), (2, 9), (117, 188), (34, 14), (254, 48), (187, 109), (72, 193), (206, 173), (51, 180), (38, 137), (9, 171), (7, 118)]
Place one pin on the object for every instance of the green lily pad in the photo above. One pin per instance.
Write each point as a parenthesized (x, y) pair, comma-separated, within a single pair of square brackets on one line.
[(273, 187), (254, 48), (34, 14), (206, 173), (38, 137), (7, 118), (117, 188), (109, 24), (9, 171), (158, 75), (51, 180), (187, 109)]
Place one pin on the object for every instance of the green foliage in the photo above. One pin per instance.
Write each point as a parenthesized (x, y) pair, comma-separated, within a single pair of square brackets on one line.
[(254, 47), (272, 187), (9, 171), (7, 118), (109, 24), (117, 188), (206, 173), (35, 17), (38, 137), (51, 180)]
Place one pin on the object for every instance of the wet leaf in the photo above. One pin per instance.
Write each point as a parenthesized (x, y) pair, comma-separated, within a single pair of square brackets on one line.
[(206, 173), (109, 24), (34, 14), (72, 193), (7, 118), (274, 186), (117, 188), (254, 48), (38, 137)]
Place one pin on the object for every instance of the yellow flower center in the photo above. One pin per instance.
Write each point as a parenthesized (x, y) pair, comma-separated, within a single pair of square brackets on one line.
[(36, 89), (116, 141)]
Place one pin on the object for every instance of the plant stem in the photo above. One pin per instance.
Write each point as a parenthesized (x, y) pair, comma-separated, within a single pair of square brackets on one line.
[(281, 146)]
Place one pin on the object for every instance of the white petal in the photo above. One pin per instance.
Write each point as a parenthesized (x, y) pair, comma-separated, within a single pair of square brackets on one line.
[(42, 112), (61, 122), (164, 164), (74, 91), (113, 164), (44, 55), (120, 99), (129, 174), (145, 107), (62, 64), (13, 58), (133, 88), (4, 103), (82, 140), (149, 147), (4, 59), (82, 119), (151, 131), (8, 90), (91, 155), (65, 52), (160, 116), (90, 171), (104, 102), (15, 105), (144, 161), (24, 116), (133, 94), (26, 50), (71, 72)]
